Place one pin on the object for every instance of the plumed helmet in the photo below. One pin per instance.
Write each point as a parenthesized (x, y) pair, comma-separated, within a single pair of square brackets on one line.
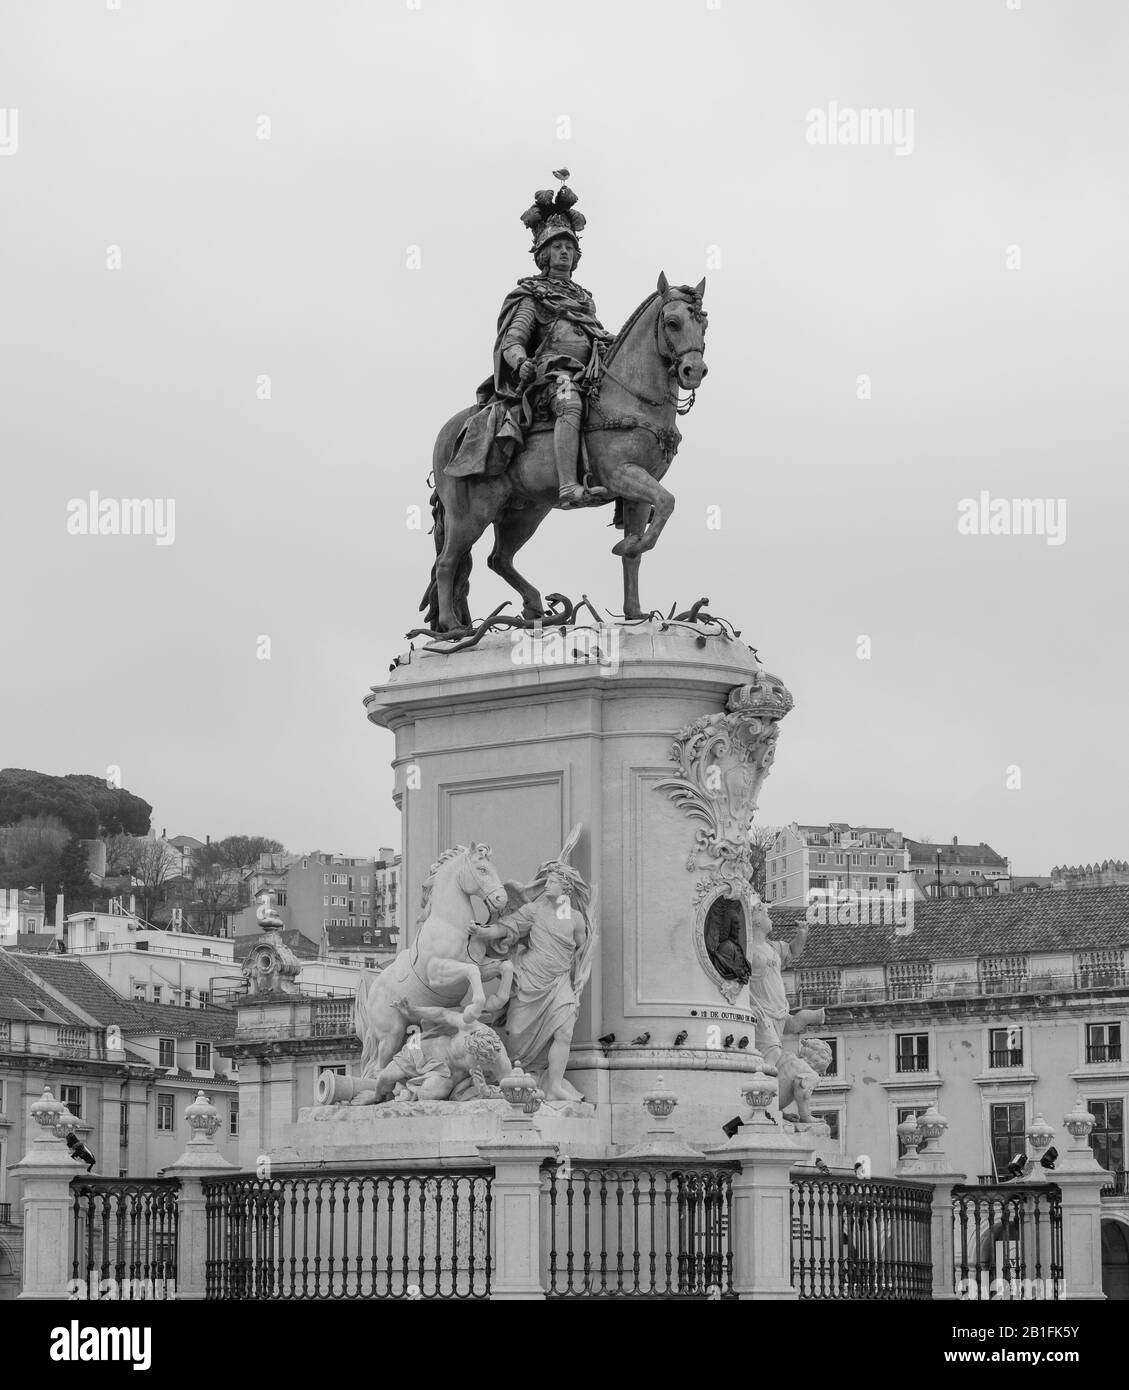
[(553, 215)]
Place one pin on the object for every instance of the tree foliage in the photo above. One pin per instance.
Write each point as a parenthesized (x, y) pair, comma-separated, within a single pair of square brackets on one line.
[(85, 805)]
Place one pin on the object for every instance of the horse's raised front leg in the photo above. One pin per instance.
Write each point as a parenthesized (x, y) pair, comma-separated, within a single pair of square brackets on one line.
[(635, 484), (442, 970), (634, 520)]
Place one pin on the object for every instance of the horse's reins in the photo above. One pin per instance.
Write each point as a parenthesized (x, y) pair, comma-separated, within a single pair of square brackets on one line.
[(668, 440)]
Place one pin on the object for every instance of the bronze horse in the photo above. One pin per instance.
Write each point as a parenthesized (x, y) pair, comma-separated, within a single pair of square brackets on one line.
[(630, 438)]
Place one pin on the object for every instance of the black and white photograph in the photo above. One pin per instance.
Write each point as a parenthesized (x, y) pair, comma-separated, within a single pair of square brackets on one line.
[(562, 732)]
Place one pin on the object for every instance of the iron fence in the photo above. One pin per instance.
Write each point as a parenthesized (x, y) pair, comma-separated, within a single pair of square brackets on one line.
[(349, 1234), (1008, 1241), (638, 1230), (5, 1213), (861, 1238), (125, 1230)]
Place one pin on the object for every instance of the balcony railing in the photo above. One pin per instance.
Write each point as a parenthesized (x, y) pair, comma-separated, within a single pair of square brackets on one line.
[(817, 996), (1008, 1057), (1119, 1187), (6, 1212), (906, 1062), (333, 1018), (1103, 1052)]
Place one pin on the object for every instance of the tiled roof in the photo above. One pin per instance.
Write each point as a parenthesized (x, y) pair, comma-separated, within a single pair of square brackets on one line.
[(86, 989), (959, 928), (177, 1022), (925, 851), (19, 995), (353, 938), (75, 980)]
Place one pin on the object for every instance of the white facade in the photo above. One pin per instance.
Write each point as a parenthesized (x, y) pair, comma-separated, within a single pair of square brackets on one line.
[(826, 860)]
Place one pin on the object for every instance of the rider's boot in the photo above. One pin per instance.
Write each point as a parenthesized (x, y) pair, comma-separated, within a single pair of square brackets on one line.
[(566, 450)]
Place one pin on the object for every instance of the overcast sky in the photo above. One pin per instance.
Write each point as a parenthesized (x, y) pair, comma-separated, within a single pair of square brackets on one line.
[(393, 127)]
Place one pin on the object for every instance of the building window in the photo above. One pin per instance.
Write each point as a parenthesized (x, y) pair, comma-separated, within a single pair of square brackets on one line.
[(166, 1052), (187, 998), (1007, 1124), (156, 994), (821, 858), (1107, 1138), (364, 880), (911, 1052), (370, 962), (203, 1056), (71, 1096), (889, 861), (831, 1118), (123, 1124), (840, 859), (204, 998), (872, 861), (31, 924), (233, 1118), (833, 1067), (836, 837), (1005, 1047), (165, 1103), (1103, 1042), (325, 901), (856, 860)]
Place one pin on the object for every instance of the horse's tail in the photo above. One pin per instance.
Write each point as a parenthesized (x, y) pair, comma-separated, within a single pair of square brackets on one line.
[(430, 601)]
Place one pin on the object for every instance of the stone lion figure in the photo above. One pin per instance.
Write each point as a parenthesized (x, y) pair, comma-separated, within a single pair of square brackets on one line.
[(797, 1074)]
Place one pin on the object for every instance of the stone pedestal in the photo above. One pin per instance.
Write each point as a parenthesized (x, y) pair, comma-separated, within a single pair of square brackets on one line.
[(439, 1133), (46, 1172), (762, 1192), (201, 1159), (503, 745)]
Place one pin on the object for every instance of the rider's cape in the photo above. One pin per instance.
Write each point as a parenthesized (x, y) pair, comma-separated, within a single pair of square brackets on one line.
[(496, 432)]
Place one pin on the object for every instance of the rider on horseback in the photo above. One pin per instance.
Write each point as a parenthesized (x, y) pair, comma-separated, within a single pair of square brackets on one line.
[(546, 355)]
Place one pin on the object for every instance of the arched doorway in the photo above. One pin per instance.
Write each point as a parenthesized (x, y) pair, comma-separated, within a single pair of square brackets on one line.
[(1115, 1261), (9, 1275)]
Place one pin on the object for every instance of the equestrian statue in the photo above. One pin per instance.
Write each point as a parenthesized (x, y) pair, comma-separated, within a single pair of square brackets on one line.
[(572, 417)]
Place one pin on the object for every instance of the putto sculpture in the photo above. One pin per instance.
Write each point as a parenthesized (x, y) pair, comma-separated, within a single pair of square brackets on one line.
[(572, 416)]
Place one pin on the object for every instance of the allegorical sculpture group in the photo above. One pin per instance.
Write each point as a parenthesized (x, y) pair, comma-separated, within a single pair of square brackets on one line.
[(450, 1017)]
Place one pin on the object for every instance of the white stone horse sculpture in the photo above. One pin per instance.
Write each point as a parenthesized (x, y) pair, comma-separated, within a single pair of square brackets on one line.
[(436, 970)]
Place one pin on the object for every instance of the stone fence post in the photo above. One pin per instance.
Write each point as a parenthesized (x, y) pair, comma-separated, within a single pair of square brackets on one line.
[(1080, 1179), (762, 1196), (515, 1235), (46, 1170), (931, 1164), (201, 1159)]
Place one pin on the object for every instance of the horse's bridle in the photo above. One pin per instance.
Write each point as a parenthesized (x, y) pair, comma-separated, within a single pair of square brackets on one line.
[(674, 358)]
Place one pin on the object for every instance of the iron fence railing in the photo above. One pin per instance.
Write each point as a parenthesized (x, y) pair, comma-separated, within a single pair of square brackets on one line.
[(1103, 1052), (5, 1213), (861, 1238), (125, 1230), (1007, 1241), (638, 1230), (349, 1234)]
